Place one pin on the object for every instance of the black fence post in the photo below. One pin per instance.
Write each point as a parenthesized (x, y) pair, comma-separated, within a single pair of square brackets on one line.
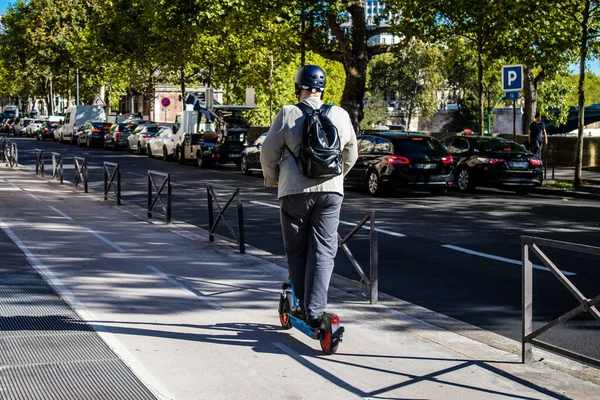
[(39, 162), (105, 183), (240, 216), (211, 220), (109, 181), (118, 186), (57, 166), (374, 261), (153, 198)]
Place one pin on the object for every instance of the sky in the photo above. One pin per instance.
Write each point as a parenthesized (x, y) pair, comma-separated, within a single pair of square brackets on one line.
[(594, 65)]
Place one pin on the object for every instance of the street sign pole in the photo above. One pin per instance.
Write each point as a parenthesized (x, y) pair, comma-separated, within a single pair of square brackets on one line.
[(514, 120)]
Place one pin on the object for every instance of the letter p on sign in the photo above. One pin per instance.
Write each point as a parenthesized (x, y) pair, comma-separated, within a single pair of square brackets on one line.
[(512, 78)]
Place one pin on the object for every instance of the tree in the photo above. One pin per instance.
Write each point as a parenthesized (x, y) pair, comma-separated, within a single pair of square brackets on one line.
[(481, 26), (592, 89), (349, 44), (585, 14)]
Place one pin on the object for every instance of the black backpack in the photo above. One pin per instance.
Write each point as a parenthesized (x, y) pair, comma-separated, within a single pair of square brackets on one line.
[(320, 154)]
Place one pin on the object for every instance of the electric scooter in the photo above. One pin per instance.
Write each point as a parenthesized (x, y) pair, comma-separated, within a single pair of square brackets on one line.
[(329, 333)]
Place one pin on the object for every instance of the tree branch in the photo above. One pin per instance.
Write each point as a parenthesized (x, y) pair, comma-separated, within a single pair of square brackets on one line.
[(572, 14), (337, 31), (381, 49), (377, 31), (330, 54)]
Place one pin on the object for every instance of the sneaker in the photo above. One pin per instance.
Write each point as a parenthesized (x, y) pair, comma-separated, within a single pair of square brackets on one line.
[(299, 313), (314, 323)]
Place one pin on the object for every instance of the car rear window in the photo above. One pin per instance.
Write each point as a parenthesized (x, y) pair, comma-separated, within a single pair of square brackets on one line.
[(154, 129), (126, 127), (101, 125), (418, 145), (499, 146)]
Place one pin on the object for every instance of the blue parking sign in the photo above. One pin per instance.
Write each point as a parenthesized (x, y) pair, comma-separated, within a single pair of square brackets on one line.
[(512, 78)]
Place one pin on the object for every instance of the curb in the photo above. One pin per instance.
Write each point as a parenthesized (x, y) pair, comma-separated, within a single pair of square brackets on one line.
[(582, 193)]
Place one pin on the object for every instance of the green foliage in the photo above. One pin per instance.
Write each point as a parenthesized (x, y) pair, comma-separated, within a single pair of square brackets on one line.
[(375, 111), (283, 87), (591, 87)]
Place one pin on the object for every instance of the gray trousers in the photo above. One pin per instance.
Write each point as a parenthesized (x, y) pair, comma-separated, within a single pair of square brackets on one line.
[(309, 222)]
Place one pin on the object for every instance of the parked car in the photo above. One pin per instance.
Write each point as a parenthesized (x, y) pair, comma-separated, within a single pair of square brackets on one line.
[(250, 161), (138, 139), (12, 128), (47, 130), (399, 159), (92, 133), (76, 117), (21, 128), (162, 144), (493, 162), (33, 127), (6, 124), (117, 135)]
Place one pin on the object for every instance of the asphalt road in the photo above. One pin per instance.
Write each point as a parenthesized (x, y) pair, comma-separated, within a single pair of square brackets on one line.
[(458, 255)]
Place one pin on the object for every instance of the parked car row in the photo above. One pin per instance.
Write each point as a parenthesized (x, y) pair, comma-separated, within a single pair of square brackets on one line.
[(409, 160), (40, 128), (386, 159)]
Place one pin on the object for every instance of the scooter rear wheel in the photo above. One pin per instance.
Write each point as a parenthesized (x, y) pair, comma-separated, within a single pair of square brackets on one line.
[(284, 318), (329, 344)]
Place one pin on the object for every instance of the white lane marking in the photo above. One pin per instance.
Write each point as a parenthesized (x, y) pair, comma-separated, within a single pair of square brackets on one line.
[(31, 194), (184, 287), (62, 214), (105, 240), (109, 338), (379, 230), (260, 203), (503, 259)]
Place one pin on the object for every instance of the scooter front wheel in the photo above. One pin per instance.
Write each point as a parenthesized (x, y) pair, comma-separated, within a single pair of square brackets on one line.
[(284, 319), (329, 344)]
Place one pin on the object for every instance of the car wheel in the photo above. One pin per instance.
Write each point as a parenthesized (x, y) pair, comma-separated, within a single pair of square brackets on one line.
[(139, 147), (129, 148), (244, 166), (373, 184), (180, 158), (149, 151), (199, 159), (465, 181), (165, 153), (439, 191), (88, 143)]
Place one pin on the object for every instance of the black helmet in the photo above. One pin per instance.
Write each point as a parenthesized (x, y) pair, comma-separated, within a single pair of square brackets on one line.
[(310, 77)]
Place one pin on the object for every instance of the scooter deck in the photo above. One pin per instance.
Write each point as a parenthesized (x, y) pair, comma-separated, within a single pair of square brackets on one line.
[(302, 326)]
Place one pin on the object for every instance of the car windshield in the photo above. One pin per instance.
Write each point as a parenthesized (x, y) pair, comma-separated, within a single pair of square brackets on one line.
[(495, 145), (26, 122), (418, 145), (100, 125)]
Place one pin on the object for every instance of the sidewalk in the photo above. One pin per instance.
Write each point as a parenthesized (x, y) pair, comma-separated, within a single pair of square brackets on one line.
[(589, 190), (197, 320)]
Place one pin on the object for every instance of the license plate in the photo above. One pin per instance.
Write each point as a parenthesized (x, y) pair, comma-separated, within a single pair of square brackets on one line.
[(234, 155), (425, 166), (517, 164)]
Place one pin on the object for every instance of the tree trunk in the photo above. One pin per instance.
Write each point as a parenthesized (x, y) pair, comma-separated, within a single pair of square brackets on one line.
[(531, 98), (182, 77), (480, 89), (583, 48), (51, 102), (354, 92)]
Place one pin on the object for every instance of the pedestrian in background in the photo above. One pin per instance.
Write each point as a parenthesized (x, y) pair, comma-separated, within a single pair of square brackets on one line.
[(310, 208), (537, 135)]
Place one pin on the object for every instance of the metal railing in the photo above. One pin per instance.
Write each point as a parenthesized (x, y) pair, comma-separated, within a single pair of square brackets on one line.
[(548, 149), (81, 172), (39, 162), (154, 194), (111, 171), (372, 281), (57, 166), (528, 337), (213, 223)]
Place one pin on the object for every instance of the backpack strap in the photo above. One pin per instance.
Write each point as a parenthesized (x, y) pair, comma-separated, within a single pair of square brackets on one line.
[(306, 110)]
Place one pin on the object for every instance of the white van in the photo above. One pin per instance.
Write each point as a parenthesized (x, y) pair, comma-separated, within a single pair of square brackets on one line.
[(77, 116)]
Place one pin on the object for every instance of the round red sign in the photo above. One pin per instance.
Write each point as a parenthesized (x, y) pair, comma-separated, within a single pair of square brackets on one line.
[(165, 102)]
